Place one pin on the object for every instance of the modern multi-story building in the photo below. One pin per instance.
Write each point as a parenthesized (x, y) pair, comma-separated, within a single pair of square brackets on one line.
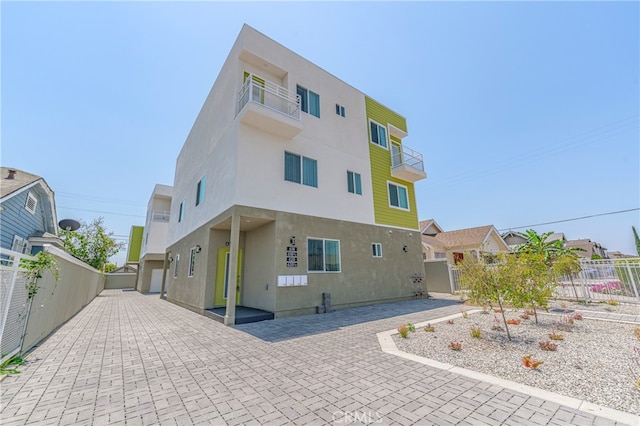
[(291, 186), (154, 240)]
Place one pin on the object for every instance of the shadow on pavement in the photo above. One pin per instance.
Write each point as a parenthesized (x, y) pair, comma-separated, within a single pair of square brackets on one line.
[(281, 329)]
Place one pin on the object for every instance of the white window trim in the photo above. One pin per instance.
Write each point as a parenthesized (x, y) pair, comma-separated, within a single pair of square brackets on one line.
[(379, 250), (355, 191), (371, 138), (20, 245), (324, 266), (175, 266), (31, 197), (192, 263), (408, 209)]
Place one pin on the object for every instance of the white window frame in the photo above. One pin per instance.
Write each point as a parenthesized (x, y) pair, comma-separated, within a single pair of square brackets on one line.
[(376, 250), (21, 245), (176, 265), (192, 262), (31, 199), (387, 140), (389, 196), (353, 182), (324, 256)]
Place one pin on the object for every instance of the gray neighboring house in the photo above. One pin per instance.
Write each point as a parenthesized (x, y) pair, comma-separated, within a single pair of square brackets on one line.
[(27, 211)]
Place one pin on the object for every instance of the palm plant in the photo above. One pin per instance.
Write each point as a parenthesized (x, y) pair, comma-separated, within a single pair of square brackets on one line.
[(538, 244)]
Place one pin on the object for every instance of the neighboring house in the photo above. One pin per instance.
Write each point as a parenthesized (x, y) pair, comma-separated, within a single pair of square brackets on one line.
[(454, 245), (27, 209), (292, 189), (514, 239), (154, 240), (619, 255), (591, 248)]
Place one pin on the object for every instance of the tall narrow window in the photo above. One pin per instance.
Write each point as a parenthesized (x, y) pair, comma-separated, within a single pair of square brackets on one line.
[(192, 261), (304, 100), (300, 169), (398, 196), (176, 265), (200, 191), (354, 183), (340, 110), (309, 172), (292, 167), (376, 248), (181, 212), (378, 134), (323, 255), (309, 101)]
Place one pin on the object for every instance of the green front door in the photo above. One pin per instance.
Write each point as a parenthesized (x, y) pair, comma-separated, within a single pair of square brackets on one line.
[(222, 277)]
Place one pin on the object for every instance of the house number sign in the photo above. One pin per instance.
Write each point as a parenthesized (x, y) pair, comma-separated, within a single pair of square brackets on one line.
[(292, 257)]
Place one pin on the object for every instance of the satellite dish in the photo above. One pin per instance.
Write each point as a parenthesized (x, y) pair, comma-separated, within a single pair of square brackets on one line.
[(69, 224)]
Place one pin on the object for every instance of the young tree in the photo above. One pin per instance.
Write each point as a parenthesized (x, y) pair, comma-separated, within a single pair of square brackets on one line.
[(567, 264), (636, 239), (91, 243), (487, 284), (534, 281)]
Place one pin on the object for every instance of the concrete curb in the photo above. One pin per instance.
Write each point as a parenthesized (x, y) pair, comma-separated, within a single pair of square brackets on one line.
[(388, 345)]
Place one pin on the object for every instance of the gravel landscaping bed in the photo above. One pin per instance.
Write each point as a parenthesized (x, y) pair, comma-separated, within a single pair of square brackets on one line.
[(593, 362)]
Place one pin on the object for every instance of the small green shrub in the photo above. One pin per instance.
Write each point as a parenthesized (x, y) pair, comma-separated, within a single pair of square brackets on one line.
[(476, 332)]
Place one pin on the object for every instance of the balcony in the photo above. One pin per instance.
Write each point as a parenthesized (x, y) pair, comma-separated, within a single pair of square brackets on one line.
[(269, 107), (406, 164), (160, 215)]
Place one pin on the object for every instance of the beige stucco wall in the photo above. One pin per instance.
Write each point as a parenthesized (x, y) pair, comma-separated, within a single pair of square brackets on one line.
[(119, 281), (147, 265), (57, 301), (260, 258), (436, 274), (362, 280)]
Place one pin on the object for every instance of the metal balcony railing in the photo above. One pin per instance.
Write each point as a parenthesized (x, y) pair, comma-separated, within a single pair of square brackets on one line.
[(160, 216), (269, 95), (404, 156)]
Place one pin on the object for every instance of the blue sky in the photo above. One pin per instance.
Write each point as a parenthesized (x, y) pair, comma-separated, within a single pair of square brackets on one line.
[(525, 112)]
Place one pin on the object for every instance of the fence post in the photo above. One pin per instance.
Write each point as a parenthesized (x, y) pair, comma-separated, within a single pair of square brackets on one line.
[(633, 281)]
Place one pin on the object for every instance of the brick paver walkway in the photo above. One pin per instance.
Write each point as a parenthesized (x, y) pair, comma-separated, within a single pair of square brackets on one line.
[(137, 360)]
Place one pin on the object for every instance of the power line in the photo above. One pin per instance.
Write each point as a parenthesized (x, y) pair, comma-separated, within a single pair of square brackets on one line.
[(97, 199), (570, 220), (100, 211)]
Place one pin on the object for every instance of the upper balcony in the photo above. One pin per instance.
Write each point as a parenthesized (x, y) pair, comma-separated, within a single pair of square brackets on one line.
[(160, 215), (269, 107), (406, 164)]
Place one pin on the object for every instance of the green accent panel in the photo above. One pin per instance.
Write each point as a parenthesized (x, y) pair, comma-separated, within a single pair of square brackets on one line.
[(135, 244), (381, 172)]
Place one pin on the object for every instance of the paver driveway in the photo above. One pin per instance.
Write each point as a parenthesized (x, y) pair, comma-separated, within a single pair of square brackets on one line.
[(134, 359)]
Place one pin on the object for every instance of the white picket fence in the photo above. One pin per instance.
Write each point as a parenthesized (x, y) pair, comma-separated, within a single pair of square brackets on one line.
[(598, 280), (14, 308)]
